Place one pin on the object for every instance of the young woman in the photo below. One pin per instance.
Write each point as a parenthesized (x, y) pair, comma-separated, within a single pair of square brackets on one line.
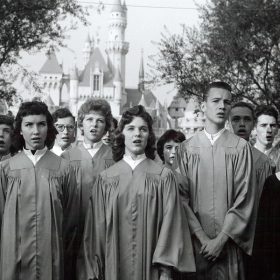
[(37, 200), (134, 227)]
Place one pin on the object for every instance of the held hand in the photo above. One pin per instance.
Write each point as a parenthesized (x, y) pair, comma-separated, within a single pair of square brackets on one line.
[(165, 274), (212, 250), (202, 237)]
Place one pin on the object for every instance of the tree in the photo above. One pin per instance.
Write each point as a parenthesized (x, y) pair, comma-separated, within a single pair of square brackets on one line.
[(237, 41)]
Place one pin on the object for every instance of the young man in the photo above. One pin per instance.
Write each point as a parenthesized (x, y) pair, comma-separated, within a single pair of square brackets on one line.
[(219, 201), (6, 131), (91, 157), (64, 123), (108, 137), (267, 129), (242, 121)]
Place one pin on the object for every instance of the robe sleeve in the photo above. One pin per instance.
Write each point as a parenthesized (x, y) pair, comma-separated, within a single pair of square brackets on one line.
[(182, 162), (174, 247), (90, 264), (240, 221), (3, 186), (70, 220)]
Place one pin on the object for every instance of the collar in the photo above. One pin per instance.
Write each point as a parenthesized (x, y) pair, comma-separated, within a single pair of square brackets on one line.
[(266, 152), (133, 163), (58, 151), (96, 145), (214, 137), (37, 156)]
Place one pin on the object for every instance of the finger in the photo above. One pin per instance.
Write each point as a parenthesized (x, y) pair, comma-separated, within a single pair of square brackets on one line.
[(202, 248)]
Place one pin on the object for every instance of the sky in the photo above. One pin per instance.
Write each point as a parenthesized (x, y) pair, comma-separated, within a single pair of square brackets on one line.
[(145, 22)]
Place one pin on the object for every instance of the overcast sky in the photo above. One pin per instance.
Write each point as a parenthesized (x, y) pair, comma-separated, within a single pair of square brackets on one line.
[(145, 24)]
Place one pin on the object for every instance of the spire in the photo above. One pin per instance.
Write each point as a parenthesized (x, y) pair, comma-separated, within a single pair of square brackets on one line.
[(88, 40), (124, 6), (116, 6), (74, 73), (141, 83), (143, 102), (51, 66)]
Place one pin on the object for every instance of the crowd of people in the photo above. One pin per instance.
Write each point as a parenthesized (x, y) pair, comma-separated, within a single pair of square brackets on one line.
[(123, 205)]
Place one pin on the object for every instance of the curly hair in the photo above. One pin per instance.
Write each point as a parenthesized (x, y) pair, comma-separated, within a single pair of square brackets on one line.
[(169, 135), (34, 108), (9, 121), (98, 105), (62, 113), (266, 110), (118, 146)]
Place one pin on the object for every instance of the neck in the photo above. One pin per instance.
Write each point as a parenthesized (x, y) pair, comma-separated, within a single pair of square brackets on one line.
[(4, 154), (213, 128), (87, 141), (132, 155), (261, 147)]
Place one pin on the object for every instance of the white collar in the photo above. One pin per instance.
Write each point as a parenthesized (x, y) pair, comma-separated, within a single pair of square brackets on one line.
[(133, 163), (266, 152), (58, 151), (37, 156), (93, 148), (214, 137)]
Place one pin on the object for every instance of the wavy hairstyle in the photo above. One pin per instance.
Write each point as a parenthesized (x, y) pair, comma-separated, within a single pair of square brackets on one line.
[(167, 136), (29, 109), (98, 105), (118, 146)]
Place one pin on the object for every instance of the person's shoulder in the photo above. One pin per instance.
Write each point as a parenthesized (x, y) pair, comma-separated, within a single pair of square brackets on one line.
[(234, 141), (74, 153)]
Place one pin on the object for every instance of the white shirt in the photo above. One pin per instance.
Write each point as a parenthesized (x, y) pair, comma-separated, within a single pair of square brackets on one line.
[(214, 137), (37, 156), (93, 148), (58, 151), (133, 163)]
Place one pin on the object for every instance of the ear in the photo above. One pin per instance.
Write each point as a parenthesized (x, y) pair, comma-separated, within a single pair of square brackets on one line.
[(203, 106)]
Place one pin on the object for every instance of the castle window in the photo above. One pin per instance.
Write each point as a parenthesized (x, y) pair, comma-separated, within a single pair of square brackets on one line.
[(96, 82)]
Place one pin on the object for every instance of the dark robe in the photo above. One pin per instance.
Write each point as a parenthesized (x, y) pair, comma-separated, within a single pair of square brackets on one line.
[(134, 225), (86, 169), (37, 215), (219, 197), (265, 261)]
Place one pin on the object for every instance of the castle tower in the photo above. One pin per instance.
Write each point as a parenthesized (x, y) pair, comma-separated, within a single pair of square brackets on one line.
[(73, 94), (87, 50), (116, 109), (116, 47), (141, 82)]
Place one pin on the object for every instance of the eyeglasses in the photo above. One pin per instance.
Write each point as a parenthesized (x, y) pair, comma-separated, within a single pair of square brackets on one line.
[(61, 127)]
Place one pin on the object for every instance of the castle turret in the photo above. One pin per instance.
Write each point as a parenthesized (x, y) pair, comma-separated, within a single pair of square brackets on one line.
[(118, 89), (116, 47), (141, 82), (73, 94), (87, 50)]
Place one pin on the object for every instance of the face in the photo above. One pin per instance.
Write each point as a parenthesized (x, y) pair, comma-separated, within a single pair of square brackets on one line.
[(66, 132), (242, 122), (34, 130), (108, 137), (217, 106), (266, 129), (169, 152), (94, 127), (5, 139), (136, 136)]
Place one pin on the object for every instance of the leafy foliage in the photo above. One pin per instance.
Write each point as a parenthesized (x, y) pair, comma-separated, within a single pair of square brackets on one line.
[(238, 42)]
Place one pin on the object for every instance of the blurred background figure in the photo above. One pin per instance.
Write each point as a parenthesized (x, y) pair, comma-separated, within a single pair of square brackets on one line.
[(108, 137), (6, 133), (64, 123)]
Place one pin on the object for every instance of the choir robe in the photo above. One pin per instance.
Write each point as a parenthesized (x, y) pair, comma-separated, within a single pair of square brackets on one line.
[(263, 169), (38, 217), (265, 261), (219, 198), (134, 225)]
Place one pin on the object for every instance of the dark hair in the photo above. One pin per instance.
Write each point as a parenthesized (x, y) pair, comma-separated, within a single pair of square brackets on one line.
[(98, 105), (115, 122), (169, 135), (34, 108), (8, 120), (118, 146), (218, 84), (62, 113), (244, 105), (266, 110)]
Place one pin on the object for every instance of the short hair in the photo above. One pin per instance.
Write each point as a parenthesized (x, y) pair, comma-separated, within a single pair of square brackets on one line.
[(243, 104), (118, 146), (218, 84), (34, 108), (7, 120), (169, 135), (99, 105), (266, 110), (62, 113), (115, 122)]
